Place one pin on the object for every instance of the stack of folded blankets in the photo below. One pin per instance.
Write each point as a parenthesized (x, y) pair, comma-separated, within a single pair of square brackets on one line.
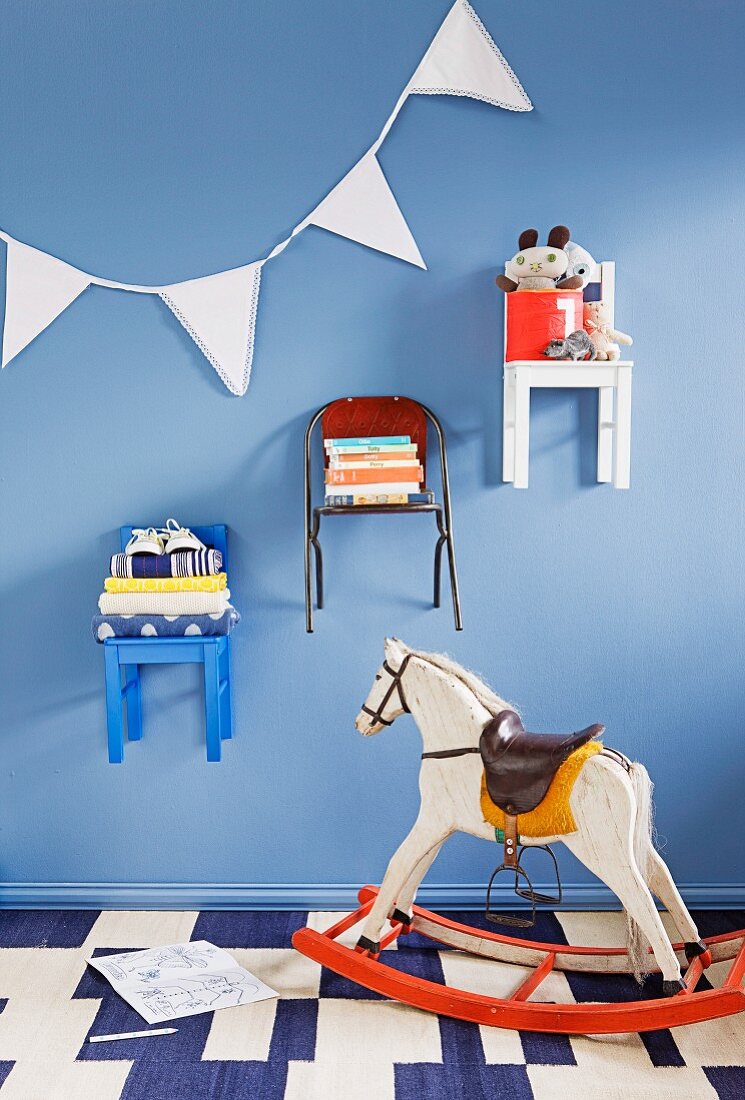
[(165, 595)]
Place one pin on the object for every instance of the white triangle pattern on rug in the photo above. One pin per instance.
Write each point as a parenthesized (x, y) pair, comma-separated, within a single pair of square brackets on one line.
[(219, 313), (38, 288)]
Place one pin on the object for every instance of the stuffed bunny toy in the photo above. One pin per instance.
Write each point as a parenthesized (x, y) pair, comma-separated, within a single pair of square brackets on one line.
[(605, 338), (539, 268)]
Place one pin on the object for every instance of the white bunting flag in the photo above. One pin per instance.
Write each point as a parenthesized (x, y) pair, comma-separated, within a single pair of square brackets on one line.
[(38, 288), (363, 208), (219, 313), (465, 60)]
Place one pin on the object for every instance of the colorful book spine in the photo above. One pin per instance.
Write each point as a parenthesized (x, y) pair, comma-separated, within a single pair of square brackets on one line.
[(368, 441), (374, 487), (378, 448), (373, 464), (401, 457), (363, 476), (345, 500)]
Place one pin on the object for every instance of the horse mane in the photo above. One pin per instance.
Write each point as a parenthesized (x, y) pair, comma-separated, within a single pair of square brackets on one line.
[(488, 698)]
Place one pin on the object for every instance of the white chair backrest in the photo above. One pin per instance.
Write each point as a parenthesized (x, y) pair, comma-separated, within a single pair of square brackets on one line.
[(608, 288)]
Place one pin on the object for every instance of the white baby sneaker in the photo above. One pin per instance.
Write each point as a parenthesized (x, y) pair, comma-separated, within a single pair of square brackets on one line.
[(145, 540), (179, 538)]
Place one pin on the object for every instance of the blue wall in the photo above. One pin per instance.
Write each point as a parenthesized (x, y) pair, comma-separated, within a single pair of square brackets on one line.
[(151, 143)]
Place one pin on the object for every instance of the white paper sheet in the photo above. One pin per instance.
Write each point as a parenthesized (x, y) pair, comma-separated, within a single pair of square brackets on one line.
[(182, 979)]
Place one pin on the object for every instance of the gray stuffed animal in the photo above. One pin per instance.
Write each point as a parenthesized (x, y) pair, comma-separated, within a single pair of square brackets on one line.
[(577, 345)]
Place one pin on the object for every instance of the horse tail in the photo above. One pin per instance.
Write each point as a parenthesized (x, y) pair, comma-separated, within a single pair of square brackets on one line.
[(637, 944)]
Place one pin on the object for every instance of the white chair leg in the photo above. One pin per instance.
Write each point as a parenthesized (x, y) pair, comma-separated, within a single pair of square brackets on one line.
[(622, 452), (605, 433), (508, 430), (522, 430)]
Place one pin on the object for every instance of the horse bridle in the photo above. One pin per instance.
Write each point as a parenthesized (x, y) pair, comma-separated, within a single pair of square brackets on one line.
[(395, 685)]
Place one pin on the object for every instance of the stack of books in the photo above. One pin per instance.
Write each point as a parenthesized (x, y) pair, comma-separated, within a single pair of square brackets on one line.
[(383, 469)]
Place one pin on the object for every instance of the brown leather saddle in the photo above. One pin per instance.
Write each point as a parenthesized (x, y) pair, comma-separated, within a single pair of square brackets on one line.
[(519, 767)]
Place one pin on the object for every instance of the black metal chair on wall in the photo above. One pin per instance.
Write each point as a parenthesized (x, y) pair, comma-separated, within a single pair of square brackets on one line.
[(371, 416)]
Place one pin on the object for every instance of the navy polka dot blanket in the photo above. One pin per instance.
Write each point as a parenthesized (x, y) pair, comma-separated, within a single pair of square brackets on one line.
[(163, 626)]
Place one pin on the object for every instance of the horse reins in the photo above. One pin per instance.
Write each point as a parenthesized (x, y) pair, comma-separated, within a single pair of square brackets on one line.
[(443, 754), (447, 754), (395, 685)]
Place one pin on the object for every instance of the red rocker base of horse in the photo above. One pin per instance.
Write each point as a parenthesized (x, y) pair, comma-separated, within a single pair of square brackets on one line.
[(517, 1011)]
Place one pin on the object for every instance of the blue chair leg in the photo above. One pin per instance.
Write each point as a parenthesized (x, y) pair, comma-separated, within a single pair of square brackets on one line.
[(212, 700), (226, 694), (134, 702), (114, 704)]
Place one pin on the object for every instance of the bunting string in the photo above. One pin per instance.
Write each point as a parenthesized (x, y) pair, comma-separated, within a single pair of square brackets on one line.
[(219, 311)]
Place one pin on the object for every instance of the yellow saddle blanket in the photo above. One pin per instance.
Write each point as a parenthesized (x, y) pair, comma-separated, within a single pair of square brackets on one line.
[(552, 816)]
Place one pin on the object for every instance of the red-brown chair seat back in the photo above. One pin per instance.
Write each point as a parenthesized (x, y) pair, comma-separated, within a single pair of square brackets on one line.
[(370, 416)]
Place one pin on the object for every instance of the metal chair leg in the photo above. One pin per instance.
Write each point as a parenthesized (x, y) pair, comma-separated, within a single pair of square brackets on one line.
[(438, 556), (318, 557), (308, 589), (311, 532), (438, 569), (454, 584), (445, 522), (319, 573)]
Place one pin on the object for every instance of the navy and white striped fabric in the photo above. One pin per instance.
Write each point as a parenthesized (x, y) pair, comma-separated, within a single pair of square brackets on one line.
[(185, 563)]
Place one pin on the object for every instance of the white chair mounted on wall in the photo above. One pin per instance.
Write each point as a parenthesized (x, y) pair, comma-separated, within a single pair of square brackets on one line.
[(611, 379)]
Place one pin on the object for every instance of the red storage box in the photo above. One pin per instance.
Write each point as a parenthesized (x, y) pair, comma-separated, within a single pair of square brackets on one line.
[(534, 317)]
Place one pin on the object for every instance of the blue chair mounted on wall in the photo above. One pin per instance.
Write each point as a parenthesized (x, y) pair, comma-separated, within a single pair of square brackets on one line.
[(127, 654)]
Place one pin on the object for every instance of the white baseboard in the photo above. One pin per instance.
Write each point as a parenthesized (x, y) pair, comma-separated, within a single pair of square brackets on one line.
[(191, 895)]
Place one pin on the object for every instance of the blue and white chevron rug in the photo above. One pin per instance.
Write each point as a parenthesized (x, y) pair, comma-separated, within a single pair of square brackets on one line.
[(325, 1038)]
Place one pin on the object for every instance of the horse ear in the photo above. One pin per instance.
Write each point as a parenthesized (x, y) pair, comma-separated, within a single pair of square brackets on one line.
[(528, 239), (559, 236)]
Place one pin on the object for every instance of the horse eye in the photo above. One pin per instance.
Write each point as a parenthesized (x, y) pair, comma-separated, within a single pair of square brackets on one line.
[(377, 676), (519, 259), (551, 257), (581, 269)]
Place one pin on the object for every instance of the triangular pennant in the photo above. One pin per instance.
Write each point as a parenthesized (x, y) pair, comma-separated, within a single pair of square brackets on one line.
[(464, 60), (219, 313), (363, 208), (38, 288)]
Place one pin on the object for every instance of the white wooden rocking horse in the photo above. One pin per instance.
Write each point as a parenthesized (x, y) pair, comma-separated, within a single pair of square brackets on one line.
[(481, 773)]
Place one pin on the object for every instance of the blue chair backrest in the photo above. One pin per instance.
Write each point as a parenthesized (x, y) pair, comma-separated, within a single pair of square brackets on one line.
[(216, 536)]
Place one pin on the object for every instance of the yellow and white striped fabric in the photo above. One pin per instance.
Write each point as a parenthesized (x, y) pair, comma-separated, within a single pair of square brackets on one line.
[(166, 584)]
